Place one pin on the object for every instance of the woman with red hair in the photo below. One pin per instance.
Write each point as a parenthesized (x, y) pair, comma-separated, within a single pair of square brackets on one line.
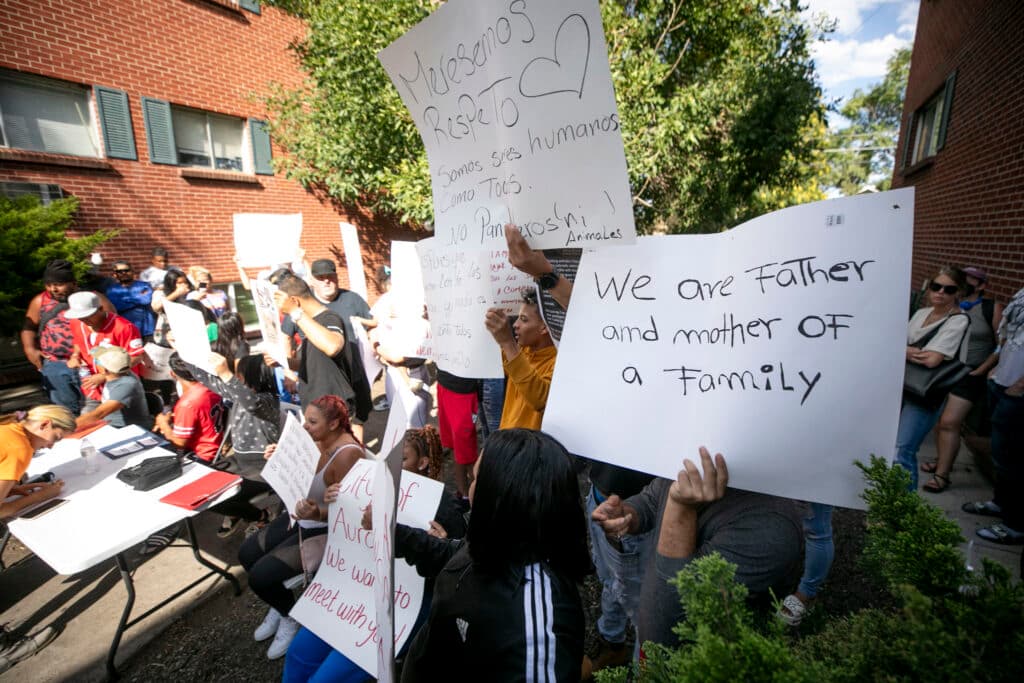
[(273, 555)]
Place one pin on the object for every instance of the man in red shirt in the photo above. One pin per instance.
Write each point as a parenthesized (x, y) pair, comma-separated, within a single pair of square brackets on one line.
[(92, 327), (198, 415)]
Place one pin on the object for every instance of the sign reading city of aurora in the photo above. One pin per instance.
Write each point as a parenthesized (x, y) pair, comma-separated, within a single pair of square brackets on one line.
[(458, 291), (514, 102), (339, 605), (780, 344)]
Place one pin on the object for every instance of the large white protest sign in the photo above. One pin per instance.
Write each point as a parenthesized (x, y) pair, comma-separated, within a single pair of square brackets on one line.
[(457, 287), (274, 340), (515, 105), (779, 343), (406, 412), (189, 330), (339, 605), (266, 239), (371, 365), (354, 260), (385, 504), (406, 280), (291, 468)]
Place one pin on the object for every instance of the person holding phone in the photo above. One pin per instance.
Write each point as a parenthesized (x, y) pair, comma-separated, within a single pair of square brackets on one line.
[(21, 435), (215, 300)]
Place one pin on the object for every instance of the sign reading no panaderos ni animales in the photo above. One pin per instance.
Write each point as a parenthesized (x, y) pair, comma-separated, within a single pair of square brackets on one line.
[(339, 604), (779, 343), (514, 102)]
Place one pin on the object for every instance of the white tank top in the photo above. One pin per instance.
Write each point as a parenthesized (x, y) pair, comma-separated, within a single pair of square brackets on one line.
[(319, 487)]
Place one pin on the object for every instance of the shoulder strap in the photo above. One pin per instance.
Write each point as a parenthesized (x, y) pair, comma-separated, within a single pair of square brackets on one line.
[(923, 341), (988, 309)]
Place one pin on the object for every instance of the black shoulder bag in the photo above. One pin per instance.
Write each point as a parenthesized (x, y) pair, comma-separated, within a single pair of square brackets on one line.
[(932, 384)]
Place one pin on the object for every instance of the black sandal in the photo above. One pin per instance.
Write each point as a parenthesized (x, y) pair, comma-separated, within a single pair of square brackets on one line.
[(938, 484)]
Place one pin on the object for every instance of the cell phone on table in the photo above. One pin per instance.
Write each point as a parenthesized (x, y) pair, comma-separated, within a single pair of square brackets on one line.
[(45, 478), (49, 505)]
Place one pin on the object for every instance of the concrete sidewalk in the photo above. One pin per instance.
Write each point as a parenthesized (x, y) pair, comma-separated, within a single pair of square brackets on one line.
[(968, 484)]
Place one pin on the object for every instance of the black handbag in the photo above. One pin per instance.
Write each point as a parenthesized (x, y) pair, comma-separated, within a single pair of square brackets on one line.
[(931, 384), (151, 472)]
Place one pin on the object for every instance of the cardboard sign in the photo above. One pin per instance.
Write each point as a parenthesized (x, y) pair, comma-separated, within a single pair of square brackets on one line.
[(385, 505), (354, 260), (291, 468), (371, 365), (339, 604), (779, 343), (406, 412), (458, 291), (188, 326), (266, 239), (515, 106), (275, 342), (406, 280)]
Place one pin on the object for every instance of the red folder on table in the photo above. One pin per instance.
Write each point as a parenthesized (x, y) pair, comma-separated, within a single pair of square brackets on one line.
[(202, 490)]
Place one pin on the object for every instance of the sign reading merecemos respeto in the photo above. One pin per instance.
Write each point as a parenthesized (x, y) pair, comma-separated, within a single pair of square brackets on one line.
[(514, 102), (780, 343)]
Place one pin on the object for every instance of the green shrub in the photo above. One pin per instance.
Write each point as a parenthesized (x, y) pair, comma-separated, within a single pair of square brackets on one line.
[(32, 234), (950, 624)]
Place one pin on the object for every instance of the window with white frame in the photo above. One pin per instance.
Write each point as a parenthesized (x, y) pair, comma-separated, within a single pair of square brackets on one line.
[(46, 115), (930, 124), (208, 140)]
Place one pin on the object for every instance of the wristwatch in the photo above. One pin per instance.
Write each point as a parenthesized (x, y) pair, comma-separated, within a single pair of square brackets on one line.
[(296, 315), (547, 280)]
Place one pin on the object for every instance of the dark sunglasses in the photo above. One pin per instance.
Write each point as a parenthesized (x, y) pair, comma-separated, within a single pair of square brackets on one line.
[(948, 289)]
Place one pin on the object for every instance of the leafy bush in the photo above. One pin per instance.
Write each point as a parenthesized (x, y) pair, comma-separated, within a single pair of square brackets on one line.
[(31, 235), (951, 624)]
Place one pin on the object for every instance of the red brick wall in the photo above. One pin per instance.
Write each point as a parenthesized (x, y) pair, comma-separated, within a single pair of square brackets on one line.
[(190, 52), (970, 198)]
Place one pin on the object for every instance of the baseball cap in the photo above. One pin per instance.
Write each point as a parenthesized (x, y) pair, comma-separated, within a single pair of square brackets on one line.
[(113, 358), (82, 305), (324, 266), (976, 272)]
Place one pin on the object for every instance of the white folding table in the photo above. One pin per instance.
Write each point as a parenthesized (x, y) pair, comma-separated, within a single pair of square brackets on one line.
[(103, 518)]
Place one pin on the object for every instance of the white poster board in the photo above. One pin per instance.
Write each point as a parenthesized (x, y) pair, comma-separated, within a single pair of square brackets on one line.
[(457, 287), (275, 342), (403, 414), (371, 365), (385, 504), (405, 336), (266, 239), (779, 343), (354, 260), (338, 605), (188, 326), (406, 280), (508, 283), (291, 468), (515, 106)]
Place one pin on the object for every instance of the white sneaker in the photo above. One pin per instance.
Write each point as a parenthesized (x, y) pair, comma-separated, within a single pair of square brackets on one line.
[(285, 632), (269, 626)]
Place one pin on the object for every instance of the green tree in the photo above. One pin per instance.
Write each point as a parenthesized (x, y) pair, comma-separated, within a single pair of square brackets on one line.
[(31, 235), (719, 101), (866, 149)]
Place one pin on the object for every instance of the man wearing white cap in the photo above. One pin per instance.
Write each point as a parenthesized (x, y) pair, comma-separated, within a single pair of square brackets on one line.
[(92, 328), (123, 399)]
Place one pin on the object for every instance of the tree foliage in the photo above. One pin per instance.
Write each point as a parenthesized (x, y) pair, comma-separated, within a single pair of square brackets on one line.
[(719, 101), (31, 235), (863, 153)]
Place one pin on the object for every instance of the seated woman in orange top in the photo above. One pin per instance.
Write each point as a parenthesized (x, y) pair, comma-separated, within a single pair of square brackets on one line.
[(20, 437)]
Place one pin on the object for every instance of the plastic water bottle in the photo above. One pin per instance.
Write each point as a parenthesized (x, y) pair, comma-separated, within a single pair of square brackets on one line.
[(91, 457)]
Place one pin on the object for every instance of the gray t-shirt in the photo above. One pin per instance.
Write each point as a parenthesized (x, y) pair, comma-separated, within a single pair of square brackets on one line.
[(762, 535), (127, 390)]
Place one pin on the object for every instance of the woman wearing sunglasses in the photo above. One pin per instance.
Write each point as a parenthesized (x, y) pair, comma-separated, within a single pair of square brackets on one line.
[(934, 335)]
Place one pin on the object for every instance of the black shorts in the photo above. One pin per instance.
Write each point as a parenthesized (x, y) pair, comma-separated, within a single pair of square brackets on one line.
[(971, 388)]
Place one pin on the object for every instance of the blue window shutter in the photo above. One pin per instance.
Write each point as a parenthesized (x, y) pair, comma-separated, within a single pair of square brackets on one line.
[(251, 5), (116, 123), (159, 131), (947, 105), (260, 147)]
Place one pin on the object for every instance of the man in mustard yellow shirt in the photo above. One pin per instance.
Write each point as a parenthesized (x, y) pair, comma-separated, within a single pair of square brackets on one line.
[(528, 356)]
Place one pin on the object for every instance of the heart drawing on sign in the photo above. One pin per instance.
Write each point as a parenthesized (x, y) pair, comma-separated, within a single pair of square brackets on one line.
[(548, 76)]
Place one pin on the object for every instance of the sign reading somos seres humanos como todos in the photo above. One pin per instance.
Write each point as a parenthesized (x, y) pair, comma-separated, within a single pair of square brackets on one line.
[(780, 343), (514, 102)]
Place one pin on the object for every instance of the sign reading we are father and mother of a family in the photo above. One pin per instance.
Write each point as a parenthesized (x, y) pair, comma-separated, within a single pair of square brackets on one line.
[(779, 343), (514, 102)]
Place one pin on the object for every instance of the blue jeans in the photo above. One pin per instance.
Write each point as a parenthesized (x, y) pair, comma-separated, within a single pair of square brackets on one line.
[(818, 548), (1008, 453), (63, 385), (312, 660), (916, 421), (493, 403), (620, 573)]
